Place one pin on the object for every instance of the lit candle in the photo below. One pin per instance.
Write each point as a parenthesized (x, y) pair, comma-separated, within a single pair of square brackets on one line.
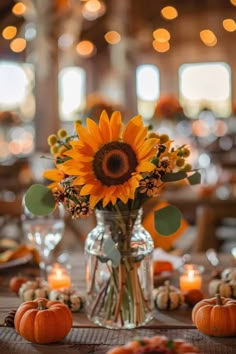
[(191, 277), (58, 277)]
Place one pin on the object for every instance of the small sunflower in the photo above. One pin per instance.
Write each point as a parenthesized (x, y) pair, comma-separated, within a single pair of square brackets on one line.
[(108, 161)]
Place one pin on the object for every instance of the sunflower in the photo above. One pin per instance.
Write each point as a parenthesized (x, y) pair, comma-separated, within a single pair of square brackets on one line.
[(108, 161)]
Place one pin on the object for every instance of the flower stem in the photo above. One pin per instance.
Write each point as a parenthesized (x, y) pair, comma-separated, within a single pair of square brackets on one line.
[(89, 291), (120, 288), (95, 304)]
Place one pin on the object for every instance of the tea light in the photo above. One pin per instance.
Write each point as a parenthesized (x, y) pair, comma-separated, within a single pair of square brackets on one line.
[(58, 277), (191, 277)]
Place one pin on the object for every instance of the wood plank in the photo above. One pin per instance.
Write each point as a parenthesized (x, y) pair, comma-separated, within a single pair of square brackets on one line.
[(100, 340)]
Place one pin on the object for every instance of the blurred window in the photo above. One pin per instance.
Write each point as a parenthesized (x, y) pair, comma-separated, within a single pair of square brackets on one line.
[(147, 89), (72, 93), (16, 89), (205, 86)]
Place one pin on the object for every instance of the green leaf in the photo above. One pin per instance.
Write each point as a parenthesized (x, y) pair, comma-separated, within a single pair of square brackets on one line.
[(173, 177), (167, 220), (39, 200), (111, 251), (195, 178)]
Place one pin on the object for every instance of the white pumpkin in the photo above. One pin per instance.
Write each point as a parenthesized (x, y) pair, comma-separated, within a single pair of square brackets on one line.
[(224, 288), (34, 289), (168, 297), (228, 274), (68, 297)]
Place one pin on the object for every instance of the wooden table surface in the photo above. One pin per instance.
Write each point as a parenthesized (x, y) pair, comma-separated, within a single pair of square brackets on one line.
[(86, 338)]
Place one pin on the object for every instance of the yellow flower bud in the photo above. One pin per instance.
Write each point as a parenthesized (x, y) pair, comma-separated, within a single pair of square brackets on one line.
[(62, 149), (180, 162), (54, 150), (62, 133), (52, 140), (185, 152), (152, 135), (188, 167), (164, 138)]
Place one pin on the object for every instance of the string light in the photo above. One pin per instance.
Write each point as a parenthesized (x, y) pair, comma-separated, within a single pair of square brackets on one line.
[(229, 25), (208, 38), (169, 12), (85, 48), (19, 9), (18, 45), (161, 47), (112, 37), (233, 2), (9, 32), (161, 35), (93, 9)]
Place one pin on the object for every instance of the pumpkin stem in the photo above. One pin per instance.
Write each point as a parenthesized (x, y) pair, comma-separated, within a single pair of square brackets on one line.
[(41, 305), (167, 284), (218, 299)]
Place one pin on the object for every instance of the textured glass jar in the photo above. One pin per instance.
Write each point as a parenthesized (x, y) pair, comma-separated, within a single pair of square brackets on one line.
[(119, 274)]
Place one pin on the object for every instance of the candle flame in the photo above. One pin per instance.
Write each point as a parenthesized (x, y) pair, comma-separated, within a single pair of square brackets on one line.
[(191, 274)]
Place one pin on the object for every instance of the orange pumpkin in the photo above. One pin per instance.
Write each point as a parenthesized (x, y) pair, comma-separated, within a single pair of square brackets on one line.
[(193, 296), (42, 321), (215, 316), (16, 282)]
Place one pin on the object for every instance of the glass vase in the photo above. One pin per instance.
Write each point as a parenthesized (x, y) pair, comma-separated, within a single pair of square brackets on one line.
[(119, 273)]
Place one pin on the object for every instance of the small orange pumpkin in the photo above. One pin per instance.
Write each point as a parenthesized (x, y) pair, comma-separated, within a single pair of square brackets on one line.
[(16, 282), (42, 321), (215, 316), (193, 296)]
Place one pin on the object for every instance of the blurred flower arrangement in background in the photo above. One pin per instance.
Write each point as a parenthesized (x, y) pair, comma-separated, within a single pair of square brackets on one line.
[(96, 103), (168, 107)]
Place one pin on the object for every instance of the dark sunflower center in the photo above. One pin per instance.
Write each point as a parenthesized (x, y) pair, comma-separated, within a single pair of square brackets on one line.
[(114, 163)]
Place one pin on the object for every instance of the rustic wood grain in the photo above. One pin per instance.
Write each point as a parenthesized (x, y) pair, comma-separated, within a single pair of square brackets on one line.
[(100, 340)]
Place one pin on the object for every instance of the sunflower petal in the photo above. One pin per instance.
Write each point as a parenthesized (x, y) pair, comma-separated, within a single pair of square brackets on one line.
[(145, 166), (146, 148), (52, 185), (87, 189), (104, 127), (94, 199), (54, 175), (78, 156), (132, 129), (71, 167), (94, 130), (85, 137), (115, 124), (109, 195), (140, 138)]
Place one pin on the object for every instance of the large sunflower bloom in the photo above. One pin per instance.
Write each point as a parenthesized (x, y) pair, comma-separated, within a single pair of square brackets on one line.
[(107, 162)]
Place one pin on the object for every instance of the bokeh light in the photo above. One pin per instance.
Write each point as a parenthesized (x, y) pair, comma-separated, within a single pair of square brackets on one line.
[(161, 35), (18, 45), (19, 9), (9, 32), (85, 48), (169, 12), (112, 37)]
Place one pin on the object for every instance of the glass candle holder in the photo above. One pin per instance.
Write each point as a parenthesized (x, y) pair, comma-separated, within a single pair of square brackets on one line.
[(191, 277), (59, 277)]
